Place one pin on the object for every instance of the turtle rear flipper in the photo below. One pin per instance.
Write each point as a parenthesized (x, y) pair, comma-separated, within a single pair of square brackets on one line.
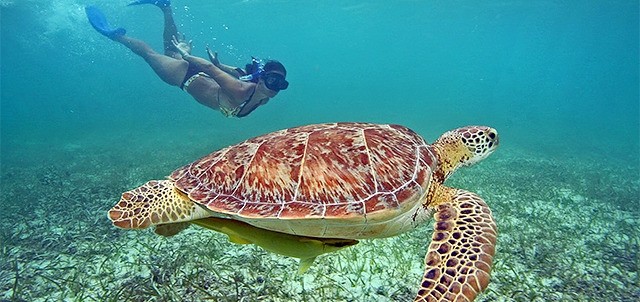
[(304, 248), (461, 251), (170, 229), (155, 202)]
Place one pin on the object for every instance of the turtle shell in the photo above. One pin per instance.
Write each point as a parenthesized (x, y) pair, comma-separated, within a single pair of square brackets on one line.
[(345, 174)]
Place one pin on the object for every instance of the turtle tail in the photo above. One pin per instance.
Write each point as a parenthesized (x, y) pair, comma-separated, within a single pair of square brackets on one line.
[(155, 202)]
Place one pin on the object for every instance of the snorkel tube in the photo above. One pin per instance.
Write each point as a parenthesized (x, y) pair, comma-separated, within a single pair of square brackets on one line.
[(257, 66)]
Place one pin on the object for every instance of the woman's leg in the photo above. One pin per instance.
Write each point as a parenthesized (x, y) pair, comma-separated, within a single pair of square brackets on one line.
[(170, 70), (170, 30)]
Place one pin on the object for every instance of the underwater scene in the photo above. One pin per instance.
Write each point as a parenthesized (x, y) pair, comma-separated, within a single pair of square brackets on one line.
[(85, 119)]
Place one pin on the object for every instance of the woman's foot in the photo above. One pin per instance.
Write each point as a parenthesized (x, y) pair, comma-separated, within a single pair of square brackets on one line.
[(158, 3)]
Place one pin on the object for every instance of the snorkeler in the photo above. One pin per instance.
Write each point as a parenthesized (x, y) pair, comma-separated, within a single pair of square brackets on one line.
[(233, 91)]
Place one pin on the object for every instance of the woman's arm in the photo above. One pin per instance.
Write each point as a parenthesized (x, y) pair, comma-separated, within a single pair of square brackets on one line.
[(236, 89), (232, 70)]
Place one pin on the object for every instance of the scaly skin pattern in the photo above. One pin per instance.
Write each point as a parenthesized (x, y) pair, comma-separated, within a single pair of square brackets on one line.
[(155, 202), (458, 262), (463, 147)]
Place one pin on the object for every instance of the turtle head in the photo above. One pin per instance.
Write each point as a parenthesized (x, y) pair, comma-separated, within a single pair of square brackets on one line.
[(465, 146)]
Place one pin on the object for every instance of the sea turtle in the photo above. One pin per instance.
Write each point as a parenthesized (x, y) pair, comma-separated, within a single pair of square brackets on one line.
[(336, 181)]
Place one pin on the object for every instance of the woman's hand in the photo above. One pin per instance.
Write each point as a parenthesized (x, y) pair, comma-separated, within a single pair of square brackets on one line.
[(184, 48), (213, 57)]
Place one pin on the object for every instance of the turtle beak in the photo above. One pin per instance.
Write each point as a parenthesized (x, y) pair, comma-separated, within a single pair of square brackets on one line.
[(494, 140)]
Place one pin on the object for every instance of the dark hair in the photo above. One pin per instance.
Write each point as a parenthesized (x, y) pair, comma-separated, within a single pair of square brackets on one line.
[(273, 65)]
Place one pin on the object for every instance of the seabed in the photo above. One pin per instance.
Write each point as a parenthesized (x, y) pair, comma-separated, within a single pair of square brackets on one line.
[(568, 231)]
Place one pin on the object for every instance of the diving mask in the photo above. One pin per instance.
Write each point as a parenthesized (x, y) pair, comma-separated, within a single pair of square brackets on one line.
[(275, 81)]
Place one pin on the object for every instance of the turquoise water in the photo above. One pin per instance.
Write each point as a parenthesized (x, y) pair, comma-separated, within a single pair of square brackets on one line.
[(83, 119)]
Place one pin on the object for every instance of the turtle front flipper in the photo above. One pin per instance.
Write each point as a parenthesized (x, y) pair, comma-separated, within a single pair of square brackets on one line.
[(459, 259), (155, 202)]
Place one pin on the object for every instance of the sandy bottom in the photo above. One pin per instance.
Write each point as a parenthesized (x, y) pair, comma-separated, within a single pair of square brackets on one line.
[(569, 231)]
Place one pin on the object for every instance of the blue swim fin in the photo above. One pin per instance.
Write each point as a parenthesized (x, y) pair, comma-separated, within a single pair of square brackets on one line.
[(99, 23), (158, 3)]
